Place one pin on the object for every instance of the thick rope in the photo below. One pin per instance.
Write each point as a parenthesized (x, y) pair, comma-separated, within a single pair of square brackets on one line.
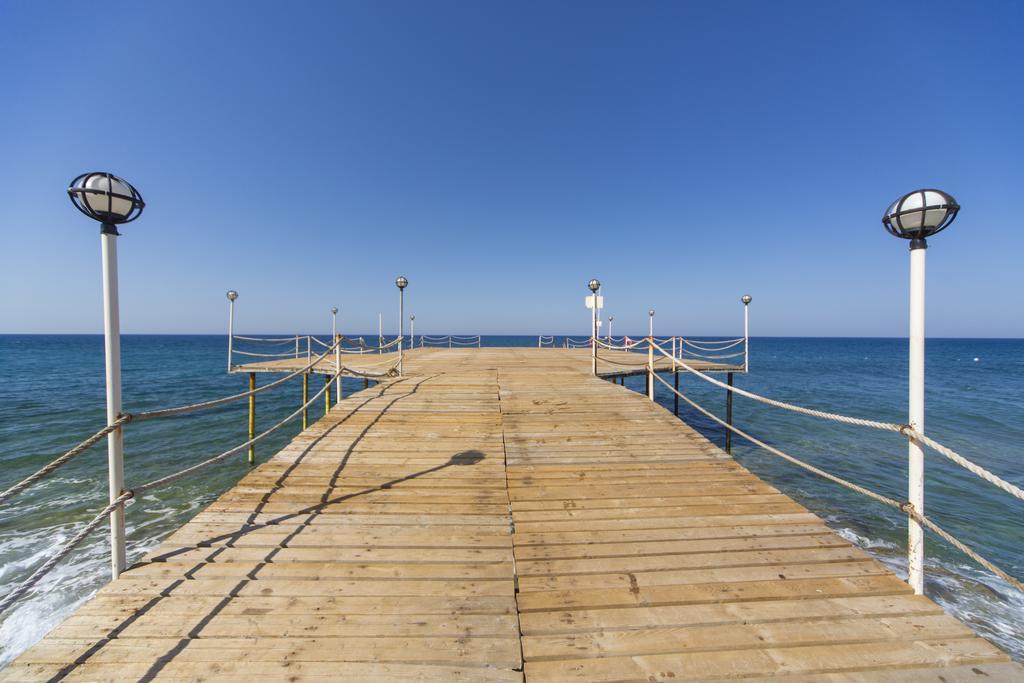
[(714, 346), (887, 426), (906, 430), (66, 549), (702, 356), (279, 354), (163, 481), (279, 340), (971, 467), (885, 500), (50, 467), (181, 410)]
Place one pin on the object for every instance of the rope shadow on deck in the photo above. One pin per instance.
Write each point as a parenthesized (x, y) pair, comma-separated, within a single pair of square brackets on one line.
[(463, 458)]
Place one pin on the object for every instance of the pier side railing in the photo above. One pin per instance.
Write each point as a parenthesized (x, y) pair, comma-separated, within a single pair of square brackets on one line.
[(117, 503), (451, 341), (678, 363)]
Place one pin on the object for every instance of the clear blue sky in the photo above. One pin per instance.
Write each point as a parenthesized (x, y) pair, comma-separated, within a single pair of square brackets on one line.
[(501, 154)]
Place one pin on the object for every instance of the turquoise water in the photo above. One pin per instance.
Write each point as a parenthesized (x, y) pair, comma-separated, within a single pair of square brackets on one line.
[(52, 397)]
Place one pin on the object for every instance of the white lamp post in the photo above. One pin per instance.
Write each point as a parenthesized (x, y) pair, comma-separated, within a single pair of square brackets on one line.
[(915, 217), (611, 318), (746, 299), (412, 331), (111, 201), (380, 332), (593, 285), (650, 324), (232, 295), (401, 283)]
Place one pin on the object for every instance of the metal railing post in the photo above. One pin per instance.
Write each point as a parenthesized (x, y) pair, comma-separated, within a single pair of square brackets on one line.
[(252, 417), (305, 400), (746, 337), (675, 395), (337, 366), (650, 367), (231, 330), (327, 395), (728, 415)]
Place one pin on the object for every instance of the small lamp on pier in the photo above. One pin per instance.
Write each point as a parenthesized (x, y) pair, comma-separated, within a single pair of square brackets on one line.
[(916, 216), (593, 286), (611, 319), (232, 295), (111, 201), (401, 282), (412, 330), (334, 324), (650, 325)]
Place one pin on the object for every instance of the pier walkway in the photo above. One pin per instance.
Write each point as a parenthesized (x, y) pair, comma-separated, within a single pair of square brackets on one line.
[(501, 513)]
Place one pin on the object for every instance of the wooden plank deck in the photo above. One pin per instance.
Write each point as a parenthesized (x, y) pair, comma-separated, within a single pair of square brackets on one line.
[(495, 514)]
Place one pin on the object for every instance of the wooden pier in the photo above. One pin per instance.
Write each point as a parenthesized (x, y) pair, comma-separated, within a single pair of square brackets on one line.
[(498, 514)]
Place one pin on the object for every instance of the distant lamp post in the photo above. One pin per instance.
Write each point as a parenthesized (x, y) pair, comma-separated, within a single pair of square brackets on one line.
[(650, 324), (746, 299), (611, 318), (412, 331), (232, 295), (917, 216), (401, 283), (593, 286), (334, 324), (112, 201)]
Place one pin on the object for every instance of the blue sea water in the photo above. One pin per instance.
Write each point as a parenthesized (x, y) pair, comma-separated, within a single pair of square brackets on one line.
[(52, 396)]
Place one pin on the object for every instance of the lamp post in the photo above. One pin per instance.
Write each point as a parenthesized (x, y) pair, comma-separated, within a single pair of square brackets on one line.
[(746, 299), (111, 201), (593, 285), (915, 217), (650, 324), (232, 295), (401, 283), (412, 331), (610, 319)]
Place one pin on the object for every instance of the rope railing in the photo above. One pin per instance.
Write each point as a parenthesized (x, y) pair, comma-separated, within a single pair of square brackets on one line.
[(272, 340), (885, 500), (26, 585), (905, 430), (712, 345), (12, 596), (44, 569), (181, 474), (544, 340), (148, 415), (450, 340)]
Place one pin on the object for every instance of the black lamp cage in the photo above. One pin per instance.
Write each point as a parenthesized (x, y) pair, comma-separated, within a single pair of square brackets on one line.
[(80, 188), (401, 282), (896, 213), (594, 285)]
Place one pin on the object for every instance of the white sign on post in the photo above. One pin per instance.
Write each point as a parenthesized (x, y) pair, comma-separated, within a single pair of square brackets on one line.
[(589, 301)]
